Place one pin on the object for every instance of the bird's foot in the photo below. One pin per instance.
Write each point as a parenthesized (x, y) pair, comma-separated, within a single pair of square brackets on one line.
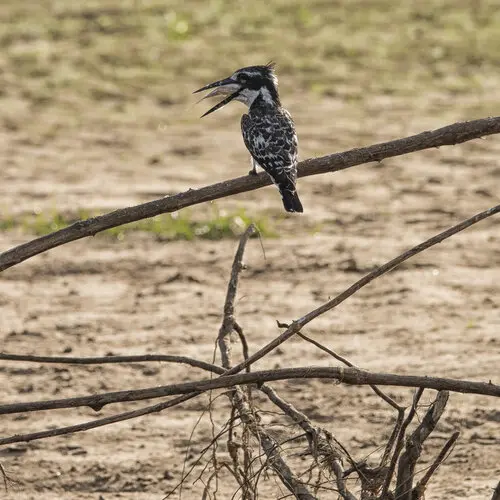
[(253, 171)]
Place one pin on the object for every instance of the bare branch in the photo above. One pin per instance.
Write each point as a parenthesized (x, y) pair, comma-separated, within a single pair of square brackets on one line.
[(113, 359), (419, 490), (414, 444), (351, 376), (297, 325), (449, 135), (244, 343), (392, 438), (400, 441), (228, 326)]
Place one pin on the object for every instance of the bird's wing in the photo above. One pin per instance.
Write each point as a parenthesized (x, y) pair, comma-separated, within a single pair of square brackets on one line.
[(272, 142)]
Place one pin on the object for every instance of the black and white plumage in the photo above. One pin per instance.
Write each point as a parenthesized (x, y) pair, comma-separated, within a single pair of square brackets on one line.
[(268, 129)]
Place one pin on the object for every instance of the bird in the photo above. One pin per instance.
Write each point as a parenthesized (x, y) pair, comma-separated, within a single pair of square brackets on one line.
[(268, 129)]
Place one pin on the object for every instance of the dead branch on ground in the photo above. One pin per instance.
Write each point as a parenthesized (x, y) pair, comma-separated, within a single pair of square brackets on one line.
[(327, 452)]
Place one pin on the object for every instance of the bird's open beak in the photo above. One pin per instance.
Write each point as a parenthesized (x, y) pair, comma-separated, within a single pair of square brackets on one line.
[(226, 87)]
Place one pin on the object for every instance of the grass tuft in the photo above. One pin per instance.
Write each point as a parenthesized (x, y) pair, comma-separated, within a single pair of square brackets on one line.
[(176, 226)]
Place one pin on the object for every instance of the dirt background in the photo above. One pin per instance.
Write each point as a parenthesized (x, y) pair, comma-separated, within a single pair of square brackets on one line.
[(96, 114)]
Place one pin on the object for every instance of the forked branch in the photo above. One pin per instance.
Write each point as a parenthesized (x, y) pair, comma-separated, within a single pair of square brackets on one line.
[(231, 378), (322, 444)]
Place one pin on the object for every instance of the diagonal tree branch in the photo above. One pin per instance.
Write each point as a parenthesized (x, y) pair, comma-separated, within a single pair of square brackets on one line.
[(419, 489), (452, 134), (271, 449), (297, 325), (376, 390)]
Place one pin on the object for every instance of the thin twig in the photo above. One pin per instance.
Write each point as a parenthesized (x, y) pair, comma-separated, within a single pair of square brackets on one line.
[(375, 389), (255, 475), (449, 135), (414, 444), (392, 438), (400, 442), (212, 443), (184, 474), (350, 376), (419, 490), (100, 422), (244, 343), (100, 360)]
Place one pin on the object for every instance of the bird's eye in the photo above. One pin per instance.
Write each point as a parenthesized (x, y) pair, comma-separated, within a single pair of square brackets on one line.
[(243, 77)]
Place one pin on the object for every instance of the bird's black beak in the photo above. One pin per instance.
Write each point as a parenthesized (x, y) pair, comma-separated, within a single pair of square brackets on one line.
[(221, 87), (225, 101), (220, 83)]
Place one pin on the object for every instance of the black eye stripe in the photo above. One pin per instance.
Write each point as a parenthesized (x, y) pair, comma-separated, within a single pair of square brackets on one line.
[(256, 83)]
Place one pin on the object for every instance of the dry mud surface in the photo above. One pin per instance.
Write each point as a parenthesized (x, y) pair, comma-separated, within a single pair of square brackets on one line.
[(438, 314)]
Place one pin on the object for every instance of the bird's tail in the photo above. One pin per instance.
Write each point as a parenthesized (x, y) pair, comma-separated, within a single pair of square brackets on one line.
[(291, 200)]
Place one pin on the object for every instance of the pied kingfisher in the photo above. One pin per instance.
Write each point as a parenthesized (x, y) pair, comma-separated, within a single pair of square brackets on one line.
[(268, 129)]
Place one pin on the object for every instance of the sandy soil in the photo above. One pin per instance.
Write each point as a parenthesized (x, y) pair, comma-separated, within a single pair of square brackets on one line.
[(439, 314)]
